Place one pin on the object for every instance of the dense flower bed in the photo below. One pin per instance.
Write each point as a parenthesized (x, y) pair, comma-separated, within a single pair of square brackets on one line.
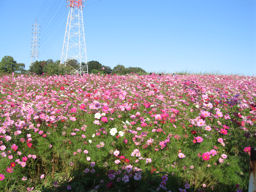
[(126, 133)]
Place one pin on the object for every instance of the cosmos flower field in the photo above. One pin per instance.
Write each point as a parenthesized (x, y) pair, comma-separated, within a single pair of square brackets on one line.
[(126, 133)]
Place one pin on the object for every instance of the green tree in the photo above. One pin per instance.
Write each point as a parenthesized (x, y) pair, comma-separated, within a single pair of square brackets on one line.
[(137, 70), (37, 67), (9, 65), (107, 69), (73, 63), (52, 68), (94, 65), (119, 69)]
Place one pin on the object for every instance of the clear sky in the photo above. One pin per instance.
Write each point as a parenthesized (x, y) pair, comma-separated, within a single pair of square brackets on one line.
[(216, 36)]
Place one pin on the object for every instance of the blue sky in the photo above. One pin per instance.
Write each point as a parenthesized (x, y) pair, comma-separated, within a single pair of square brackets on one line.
[(215, 36)]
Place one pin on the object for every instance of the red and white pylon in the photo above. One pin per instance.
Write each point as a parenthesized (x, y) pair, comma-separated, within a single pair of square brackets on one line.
[(74, 45)]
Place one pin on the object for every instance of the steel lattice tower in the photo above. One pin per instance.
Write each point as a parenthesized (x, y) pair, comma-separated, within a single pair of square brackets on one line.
[(74, 46), (35, 42)]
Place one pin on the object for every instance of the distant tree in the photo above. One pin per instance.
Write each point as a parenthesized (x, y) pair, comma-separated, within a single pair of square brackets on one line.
[(9, 65), (119, 69), (73, 63), (94, 65), (137, 70), (52, 68), (107, 69), (37, 67)]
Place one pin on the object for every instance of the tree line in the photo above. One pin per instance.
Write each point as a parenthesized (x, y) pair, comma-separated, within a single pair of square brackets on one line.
[(50, 67)]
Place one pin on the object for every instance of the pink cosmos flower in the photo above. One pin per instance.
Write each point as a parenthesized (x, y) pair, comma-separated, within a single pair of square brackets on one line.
[(181, 155), (116, 153), (72, 118), (29, 145), (42, 176), (208, 128), (224, 131), (40, 132), (200, 123), (199, 139), (148, 160), (206, 156), (158, 117), (2, 147), (14, 147), (220, 140), (24, 158), (224, 156), (1, 177), (82, 106), (33, 156), (104, 119), (219, 114), (73, 110), (221, 160), (23, 164), (9, 169), (247, 149), (205, 114), (24, 178), (213, 152), (8, 138)]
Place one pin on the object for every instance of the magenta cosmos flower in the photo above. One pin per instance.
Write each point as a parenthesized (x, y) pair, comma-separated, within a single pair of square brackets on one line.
[(104, 119), (1, 177), (247, 149), (206, 156)]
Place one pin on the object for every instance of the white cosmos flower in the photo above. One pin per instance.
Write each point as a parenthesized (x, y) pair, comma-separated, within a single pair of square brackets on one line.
[(113, 131), (121, 133), (97, 116), (127, 122)]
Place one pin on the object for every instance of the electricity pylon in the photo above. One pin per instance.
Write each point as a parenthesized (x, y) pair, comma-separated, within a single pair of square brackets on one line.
[(74, 46), (35, 42)]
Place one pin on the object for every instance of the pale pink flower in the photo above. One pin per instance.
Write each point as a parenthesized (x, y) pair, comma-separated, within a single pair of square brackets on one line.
[(181, 155), (42, 176), (116, 153), (221, 160), (2, 147), (200, 123), (220, 140), (10, 156), (148, 160), (23, 164), (224, 156), (208, 128)]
